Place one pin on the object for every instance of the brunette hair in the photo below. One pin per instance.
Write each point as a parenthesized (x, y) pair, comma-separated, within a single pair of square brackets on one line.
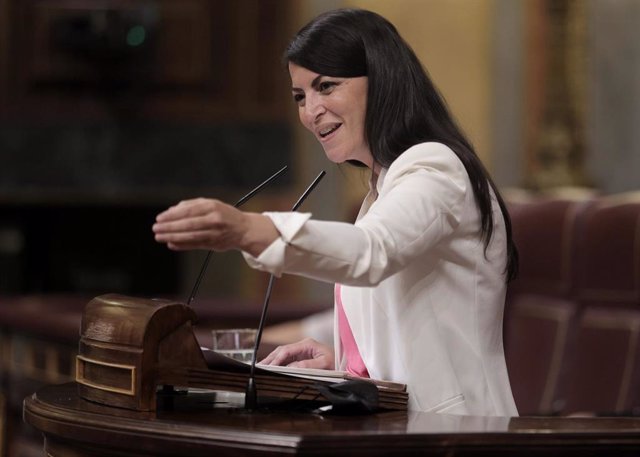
[(404, 107)]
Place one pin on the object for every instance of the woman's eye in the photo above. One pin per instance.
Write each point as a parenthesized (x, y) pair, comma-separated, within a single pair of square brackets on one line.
[(326, 87), (298, 98)]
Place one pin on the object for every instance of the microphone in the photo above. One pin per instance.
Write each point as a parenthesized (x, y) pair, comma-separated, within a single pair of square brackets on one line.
[(239, 203), (251, 393)]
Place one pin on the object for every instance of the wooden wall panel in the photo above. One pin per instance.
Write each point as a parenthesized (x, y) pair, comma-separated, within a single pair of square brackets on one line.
[(191, 60)]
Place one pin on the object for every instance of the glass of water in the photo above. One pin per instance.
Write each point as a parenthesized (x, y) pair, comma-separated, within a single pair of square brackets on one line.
[(237, 343)]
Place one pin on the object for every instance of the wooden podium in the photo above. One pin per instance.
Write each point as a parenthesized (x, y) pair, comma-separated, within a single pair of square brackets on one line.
[(126, 342), (130, 348), (194, 427)]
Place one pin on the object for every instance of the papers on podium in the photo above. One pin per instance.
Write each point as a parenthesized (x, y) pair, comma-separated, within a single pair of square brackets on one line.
[(225, 373)]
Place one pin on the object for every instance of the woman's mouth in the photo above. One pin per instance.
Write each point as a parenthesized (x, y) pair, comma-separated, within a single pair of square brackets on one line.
[(328, 130)]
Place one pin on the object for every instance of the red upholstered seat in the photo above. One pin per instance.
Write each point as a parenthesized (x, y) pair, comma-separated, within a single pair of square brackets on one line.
[(608, 254), (544, 231), (538, 330), (540, 313), (603, 373)]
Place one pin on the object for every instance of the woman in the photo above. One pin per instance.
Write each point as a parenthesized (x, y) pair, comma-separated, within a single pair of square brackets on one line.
[(421, 276)]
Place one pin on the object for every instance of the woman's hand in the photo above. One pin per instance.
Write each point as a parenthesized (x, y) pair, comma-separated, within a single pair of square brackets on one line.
[(307, 353), (211, 224)]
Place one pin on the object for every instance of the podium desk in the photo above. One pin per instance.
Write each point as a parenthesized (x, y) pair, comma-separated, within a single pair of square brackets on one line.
[(73, 427)]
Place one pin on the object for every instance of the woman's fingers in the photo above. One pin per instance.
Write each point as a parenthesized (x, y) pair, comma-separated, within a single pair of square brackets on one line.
[(191, 233), (187, 224), (200, 224), (187, 240), (187, 209), (307, 353), (321, 363), (183, 209), (283, 355)]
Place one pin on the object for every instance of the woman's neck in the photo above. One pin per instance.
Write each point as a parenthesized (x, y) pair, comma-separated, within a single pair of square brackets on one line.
[(375, 174)]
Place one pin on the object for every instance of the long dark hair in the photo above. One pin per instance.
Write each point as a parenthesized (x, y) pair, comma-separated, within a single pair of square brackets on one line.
[(404, 107)]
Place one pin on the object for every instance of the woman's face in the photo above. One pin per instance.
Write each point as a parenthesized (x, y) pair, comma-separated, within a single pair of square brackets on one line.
[(333, 109)]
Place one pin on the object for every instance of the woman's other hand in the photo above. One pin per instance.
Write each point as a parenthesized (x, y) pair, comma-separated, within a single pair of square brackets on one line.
[(211, 224), (307, 353)]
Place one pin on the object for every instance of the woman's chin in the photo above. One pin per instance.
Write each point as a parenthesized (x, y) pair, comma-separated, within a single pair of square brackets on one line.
[(336, 156), (335, 159), (341, 155)]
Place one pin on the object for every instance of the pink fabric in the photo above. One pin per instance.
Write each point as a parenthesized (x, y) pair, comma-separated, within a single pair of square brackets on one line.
[(355, 365)]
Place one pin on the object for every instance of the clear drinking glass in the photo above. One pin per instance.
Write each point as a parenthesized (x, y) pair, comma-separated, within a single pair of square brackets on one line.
[(237, 343)]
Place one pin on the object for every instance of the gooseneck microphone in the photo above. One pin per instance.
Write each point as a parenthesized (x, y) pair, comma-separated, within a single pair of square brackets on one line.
[(239, 203), (251, 393)]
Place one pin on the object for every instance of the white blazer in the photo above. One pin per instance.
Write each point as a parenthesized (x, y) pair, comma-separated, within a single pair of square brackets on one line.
[(423, 298)]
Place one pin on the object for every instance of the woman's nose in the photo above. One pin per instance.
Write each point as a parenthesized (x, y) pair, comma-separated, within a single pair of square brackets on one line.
[(314, 107)]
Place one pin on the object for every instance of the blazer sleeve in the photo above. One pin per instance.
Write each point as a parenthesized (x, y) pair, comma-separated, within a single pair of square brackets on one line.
[(420, 202)]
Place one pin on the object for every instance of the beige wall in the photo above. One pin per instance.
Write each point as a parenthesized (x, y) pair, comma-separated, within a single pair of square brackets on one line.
[(452, 38)]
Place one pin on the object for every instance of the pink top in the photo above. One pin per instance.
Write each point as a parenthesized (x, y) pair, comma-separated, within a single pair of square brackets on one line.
[(355, 365)]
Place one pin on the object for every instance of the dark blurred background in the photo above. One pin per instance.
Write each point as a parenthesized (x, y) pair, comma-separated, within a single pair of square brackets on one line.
[(111, 111)]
